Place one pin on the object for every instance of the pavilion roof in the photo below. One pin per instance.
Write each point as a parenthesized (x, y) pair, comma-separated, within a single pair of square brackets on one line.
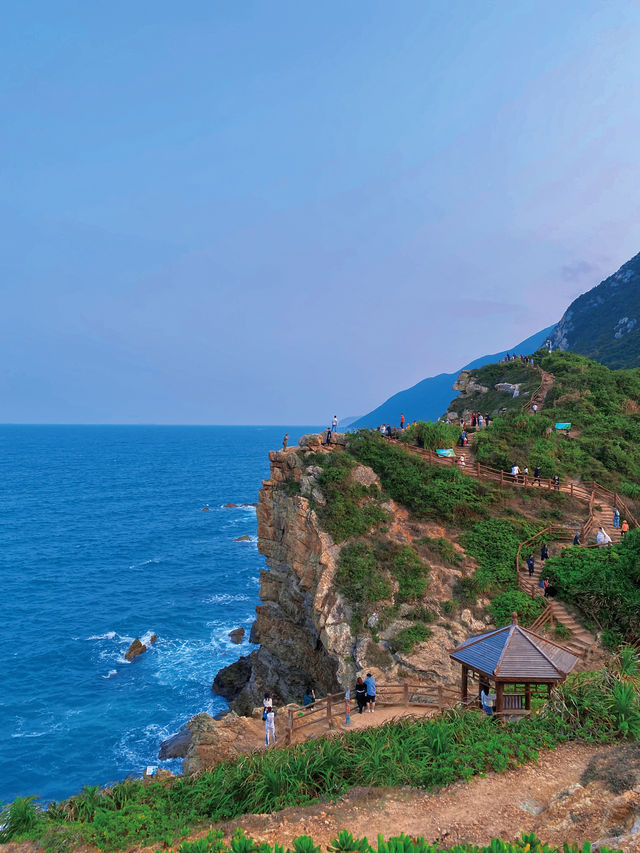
[(513, 653)]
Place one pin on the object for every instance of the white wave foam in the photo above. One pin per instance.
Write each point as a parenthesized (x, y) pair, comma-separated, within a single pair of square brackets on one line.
[(110, 635), (111, 673), (145, 563), (224, 598), (145, 639)]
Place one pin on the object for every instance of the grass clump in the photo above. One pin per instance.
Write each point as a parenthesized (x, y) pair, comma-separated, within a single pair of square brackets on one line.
[(405, 640), (441, 549), (426, 753)]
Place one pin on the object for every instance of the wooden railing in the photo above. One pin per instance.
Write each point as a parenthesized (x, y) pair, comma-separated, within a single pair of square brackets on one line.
[(327, 709), (592, 492)]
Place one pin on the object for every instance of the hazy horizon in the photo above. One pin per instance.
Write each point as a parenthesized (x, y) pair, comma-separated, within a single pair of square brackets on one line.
[(266, 213)]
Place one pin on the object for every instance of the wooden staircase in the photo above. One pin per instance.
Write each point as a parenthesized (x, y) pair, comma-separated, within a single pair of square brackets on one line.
[(539, 395)]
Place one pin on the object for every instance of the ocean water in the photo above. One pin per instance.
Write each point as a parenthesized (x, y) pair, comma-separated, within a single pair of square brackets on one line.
[(104, 539)]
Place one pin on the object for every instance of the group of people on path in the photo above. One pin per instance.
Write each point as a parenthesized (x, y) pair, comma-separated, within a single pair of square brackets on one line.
[(525, 359), (531, 566)]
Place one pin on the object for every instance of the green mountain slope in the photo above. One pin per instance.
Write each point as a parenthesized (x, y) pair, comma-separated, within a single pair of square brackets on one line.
[(604, 323)]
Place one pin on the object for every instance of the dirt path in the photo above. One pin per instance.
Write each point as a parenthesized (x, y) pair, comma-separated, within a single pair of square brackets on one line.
[(503, 805)]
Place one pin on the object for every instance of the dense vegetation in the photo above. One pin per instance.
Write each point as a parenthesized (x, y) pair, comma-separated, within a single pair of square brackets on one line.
[(603, 407), (427, 753), (351, 509), (604, 583), (427, 490), (375, 571)]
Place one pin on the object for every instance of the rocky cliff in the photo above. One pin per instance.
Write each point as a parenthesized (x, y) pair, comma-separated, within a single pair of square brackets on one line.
[(303, 624)]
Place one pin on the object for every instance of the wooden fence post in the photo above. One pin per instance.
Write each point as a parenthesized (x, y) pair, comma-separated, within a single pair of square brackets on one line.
[(329, 709), (290, 724), (440, 698), (501, 479), (405, 693)]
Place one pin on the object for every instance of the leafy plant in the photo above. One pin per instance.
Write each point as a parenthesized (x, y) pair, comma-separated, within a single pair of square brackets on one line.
[(23, 816)]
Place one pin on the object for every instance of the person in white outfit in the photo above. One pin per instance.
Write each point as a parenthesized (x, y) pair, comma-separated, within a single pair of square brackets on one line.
[(270, 725), (334, 423)]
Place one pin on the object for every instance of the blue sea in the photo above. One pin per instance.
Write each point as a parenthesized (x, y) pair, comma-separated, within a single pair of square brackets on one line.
[(104, 539)]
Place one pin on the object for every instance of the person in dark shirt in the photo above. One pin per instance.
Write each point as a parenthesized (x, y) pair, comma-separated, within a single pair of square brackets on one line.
[(361, 695)]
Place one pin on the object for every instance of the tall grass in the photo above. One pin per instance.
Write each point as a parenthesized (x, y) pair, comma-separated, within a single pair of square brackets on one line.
[(426, 753)]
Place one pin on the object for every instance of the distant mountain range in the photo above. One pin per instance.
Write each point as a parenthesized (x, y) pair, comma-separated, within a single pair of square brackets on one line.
[(429, 399), (603, 324)]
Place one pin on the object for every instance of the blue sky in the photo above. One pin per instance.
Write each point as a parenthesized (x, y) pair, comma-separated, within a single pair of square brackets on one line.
[(268, 212)]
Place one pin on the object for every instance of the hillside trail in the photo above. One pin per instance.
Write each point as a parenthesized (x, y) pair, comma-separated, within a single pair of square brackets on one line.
[(499, 805)]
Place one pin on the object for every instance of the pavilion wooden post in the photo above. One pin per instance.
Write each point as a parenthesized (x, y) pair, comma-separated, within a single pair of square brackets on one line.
[(527, 697), (464, 689), (499, 696)]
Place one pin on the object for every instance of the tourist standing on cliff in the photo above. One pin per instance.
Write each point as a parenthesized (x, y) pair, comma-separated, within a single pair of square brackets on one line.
[(401, 421), (334, 423), (270, 725), (361, 695), (285, 440), (370, 684)]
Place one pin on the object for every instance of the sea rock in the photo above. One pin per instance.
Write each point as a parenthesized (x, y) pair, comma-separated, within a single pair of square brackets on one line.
[(230, 506), (236, 635), (136, 648), (153, 638), (245, 538), (230, 680), (175, 746)]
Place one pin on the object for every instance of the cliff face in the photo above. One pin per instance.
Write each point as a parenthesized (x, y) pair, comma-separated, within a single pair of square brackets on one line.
[(302, 625)]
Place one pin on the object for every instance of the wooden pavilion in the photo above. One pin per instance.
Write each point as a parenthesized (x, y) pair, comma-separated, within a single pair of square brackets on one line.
[(518, 662)]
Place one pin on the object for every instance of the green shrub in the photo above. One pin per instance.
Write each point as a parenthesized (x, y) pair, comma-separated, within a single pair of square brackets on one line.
[(373, 571), (361, 578), (441, 548), (351, 509), (604, 583), (405, 640), (432, 434), (505, 604)]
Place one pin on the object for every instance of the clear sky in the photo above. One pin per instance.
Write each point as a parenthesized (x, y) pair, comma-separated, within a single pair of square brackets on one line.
[(271, 212)]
